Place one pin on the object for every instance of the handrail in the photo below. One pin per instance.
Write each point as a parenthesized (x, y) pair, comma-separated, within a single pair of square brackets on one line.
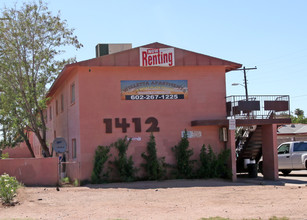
[(272, 111), (255, 108)]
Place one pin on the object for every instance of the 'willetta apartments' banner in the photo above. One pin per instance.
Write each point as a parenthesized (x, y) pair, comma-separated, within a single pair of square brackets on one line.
[(154, 89), (157, 57)]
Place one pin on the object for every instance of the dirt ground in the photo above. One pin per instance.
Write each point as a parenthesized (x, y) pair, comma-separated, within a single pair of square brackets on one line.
[(171, 199)]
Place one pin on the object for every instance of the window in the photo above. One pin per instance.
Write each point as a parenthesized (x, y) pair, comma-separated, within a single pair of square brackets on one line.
[(72, 93), (284, 149), (62, 102), (46, 115), (74, 148), (50, 113), (56, 107), (300, 146)]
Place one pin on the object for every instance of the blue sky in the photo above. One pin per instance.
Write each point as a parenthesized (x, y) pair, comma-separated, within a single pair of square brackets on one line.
[(271, 35)]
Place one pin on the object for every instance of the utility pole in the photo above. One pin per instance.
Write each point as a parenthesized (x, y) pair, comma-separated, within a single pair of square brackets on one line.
[(245, 80)]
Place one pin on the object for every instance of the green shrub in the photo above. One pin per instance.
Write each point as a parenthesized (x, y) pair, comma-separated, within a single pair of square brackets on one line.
[(65, 180), (184, 166), (123, 163), (101, 156), (212, 166), (4, 155), (8, 187), (154, 166), (76, 182)]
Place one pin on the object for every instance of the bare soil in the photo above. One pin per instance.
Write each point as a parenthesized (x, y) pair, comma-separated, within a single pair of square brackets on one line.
[(171, 199)]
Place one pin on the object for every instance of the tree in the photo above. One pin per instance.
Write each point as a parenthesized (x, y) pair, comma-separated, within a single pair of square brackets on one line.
[(298, 112), (299, 118), (13, 131), (184, 165), (154, 166), (123, 163), (31, 40)]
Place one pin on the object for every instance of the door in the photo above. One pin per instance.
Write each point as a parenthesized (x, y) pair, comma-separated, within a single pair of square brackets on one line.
[(298, 149), (284, 159)]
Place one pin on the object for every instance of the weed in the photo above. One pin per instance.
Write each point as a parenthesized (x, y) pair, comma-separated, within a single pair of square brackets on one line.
[(8, 187)]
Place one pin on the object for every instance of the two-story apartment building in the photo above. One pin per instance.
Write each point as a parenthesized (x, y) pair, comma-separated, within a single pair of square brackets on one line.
[(153, 88)]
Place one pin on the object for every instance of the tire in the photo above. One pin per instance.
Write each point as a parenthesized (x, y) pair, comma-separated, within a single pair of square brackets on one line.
[(286, 172)]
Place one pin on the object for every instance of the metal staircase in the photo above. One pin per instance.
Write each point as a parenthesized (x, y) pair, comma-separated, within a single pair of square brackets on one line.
[(249, 146)]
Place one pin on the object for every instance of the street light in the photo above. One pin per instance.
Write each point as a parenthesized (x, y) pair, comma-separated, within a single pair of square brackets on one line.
[(245, 80), (237, 84), (245, 86)]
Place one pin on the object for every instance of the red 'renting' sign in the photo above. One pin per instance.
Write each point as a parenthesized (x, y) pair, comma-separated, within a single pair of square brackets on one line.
[(157, 57)]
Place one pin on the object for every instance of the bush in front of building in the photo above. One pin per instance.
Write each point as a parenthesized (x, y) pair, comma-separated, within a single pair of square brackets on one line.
[(124, 164), (212, 165), (8, 188), (154, 166), (4, 155), (102, 154), (184, 165)]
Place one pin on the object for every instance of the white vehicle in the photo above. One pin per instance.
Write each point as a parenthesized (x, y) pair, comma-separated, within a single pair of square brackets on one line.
[(291, 156)]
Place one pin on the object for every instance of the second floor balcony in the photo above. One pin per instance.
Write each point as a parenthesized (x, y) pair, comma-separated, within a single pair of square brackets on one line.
[(257, 110), (258, 107)]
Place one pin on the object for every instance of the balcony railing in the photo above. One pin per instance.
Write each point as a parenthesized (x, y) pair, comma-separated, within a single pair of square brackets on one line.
[(258, 107)]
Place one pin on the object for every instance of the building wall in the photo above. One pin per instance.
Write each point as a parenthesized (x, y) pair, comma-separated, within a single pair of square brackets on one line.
[(99, 98), (64, 121), (32, 171), (21, 150), (289, 137)]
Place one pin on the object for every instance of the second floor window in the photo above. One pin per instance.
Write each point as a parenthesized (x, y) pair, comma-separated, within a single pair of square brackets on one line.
[(62, 102), (72, 93), (50, 113), (56, 107)]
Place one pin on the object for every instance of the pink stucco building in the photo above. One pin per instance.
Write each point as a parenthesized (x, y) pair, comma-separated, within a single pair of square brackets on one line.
[(176, 87), (154, 88)]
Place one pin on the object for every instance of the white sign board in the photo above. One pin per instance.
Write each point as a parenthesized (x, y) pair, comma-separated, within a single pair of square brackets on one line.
[(59, 145), (232, 124), (192, 134), (157, 57), (135, 138)]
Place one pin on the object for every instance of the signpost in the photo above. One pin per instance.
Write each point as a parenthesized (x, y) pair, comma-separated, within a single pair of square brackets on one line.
[(59, 145), (232, 124)]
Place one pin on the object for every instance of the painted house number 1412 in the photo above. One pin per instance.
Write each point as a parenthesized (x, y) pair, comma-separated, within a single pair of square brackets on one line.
[(122, 123)]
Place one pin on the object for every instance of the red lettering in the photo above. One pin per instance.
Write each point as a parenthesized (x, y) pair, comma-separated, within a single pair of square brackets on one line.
[(149, 60), (144, 58), (160, 58), (156, 57), (155, 61), (170, 59), (165, 58)]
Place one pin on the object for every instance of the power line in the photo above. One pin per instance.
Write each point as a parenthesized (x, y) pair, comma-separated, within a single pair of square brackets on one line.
[(298, 96)]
